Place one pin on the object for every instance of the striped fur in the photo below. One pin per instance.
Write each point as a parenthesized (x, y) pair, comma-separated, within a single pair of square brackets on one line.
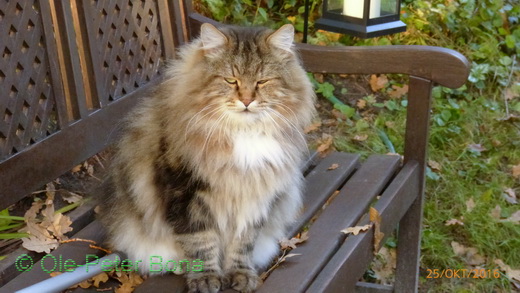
[(208, 166)]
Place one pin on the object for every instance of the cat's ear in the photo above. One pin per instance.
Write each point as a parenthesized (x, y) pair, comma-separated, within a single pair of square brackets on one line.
[(211, 37), (282, 38)]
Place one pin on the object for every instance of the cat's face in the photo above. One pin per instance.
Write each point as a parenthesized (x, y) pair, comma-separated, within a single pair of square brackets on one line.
[(251, 75)]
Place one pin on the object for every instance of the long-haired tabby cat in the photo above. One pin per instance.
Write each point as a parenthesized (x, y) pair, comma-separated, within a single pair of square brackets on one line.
[(208, 166)]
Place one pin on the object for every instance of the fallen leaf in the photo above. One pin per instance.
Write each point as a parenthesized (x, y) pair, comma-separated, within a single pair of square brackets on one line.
[(333, 167), (325, 144), (378, 82), (76, 169), (375, 218), (291, 244), (511, 273), (70, 197), (100, 278), (338, 114), (319, 77), (478, 148), (60, 226), (330, 122), (469, 254), (516, 171), (357, 229), (361, 104), (452, 222), (510, 196), (384, 265), (397, 91), (313, 127), (470, 204), (361, 137), (434, 165), (514, 218), (495, 213), (39, 245)]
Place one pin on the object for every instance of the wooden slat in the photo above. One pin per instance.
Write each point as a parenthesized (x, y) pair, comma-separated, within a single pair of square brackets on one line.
[(76, 251), (320, 184), (353, 257), (57, 154), (296, 273)]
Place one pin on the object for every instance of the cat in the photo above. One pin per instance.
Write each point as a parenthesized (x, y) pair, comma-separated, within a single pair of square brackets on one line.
[(208, 166)]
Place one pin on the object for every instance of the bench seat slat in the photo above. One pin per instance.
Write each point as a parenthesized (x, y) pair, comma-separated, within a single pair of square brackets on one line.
[(350, 262), (76, 251), (350, 204)]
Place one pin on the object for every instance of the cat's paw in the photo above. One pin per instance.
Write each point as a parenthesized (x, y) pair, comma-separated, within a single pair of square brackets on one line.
[(203, 283), (244, 280)]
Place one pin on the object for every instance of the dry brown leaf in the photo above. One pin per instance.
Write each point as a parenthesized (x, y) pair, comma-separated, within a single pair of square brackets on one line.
[(128, 280), (511, 273), (510, 196), (338, 114), (361, 104), (319, 77), (39, 245), (434, 165), (357, 229), (470, 204), (516, 171), (325, 144), (60, 225), (361, 137), (375, 218), (330, 122), (313, 127), (71, 197), (452, 222), (291, 244), (100, 278), (378, 82), (333, 167), (495, 213), (469, 254), (85, 284), (398, 92)]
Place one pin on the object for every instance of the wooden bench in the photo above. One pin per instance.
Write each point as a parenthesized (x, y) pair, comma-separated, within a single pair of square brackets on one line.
[(82, 66)]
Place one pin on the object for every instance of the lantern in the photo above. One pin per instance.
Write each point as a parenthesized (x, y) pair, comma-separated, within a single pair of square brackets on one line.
[(361, 18)]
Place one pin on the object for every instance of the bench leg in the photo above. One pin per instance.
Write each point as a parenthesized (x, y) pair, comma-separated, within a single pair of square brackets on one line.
[(416, 142)]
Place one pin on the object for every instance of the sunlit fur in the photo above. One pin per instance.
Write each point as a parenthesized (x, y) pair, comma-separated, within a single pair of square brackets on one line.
[(198, 176)]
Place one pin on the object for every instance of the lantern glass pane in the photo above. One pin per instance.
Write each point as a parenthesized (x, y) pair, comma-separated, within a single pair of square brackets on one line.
[(352, 8), (380, 8), (335, 6)]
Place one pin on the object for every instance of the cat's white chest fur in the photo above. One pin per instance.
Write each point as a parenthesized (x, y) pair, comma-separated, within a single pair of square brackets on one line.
[(256, 150)]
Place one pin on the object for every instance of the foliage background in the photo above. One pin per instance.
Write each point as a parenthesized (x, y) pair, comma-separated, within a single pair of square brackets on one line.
[(474, 170)]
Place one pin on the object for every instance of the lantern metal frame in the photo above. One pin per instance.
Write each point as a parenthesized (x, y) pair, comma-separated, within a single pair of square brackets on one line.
[(365, 27)]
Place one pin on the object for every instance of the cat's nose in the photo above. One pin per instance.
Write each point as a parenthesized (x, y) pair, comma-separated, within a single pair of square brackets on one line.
[(247, 101)]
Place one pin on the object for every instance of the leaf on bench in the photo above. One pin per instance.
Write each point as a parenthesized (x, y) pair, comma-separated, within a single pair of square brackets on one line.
[(291, 244), (375, 218), (357, 229)]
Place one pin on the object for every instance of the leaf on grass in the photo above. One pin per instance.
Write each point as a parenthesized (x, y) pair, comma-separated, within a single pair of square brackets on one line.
[(375, 218), (470, 204), (398, 92), (495, 213), (516, 171), (333, 167), (510, 273), (384, 265), (325, 144), (452, 222), (291, 244), (434, 165), (357, 229), (514, 218), (476, 147), (361, 137), (510, 196), (361, 104), (469, 254), (378, 82)]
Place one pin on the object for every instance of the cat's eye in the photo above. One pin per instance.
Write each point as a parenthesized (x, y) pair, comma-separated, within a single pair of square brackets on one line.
[(263, 81), (231, 80)]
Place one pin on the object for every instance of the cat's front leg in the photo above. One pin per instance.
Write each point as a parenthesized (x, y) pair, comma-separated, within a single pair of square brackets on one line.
[(238, 264), (203, 246)]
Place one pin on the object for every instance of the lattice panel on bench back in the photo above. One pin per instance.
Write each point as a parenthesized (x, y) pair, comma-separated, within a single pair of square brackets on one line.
[(27, 99), (125, 40)]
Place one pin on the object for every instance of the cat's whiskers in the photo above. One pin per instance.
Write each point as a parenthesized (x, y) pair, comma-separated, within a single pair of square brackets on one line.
[(286, 109), (216, 123), (290, 124), (193, 122)]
